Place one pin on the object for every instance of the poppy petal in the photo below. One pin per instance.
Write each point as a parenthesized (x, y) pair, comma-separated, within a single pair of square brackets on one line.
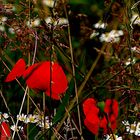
[(111, 107), (59, 82), (38, 77), (17, 70), (92, 123), (4, 131), (103, 124), (90, 105)]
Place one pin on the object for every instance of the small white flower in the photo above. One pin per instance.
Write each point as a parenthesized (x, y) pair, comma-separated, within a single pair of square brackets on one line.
[(31, 119), (134, 49), (120, 32), (33, 23), (61, 21), (18, 128), (125, 122), (3, 19), (100, 25), (46, 126), (49, 20), (132, 128), (129, 61), (112, 36), (112, 137), (49, 3), (137, 132), (22, 117), (11, 30), (5, 115), (36, 22), (40, 117)]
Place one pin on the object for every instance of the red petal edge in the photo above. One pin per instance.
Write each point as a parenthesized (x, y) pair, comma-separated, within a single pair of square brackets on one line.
[(4, 131), (17, 70)]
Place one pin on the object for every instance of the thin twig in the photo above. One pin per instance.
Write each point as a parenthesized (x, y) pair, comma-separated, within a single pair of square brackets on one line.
[(73, 70), (21, 107)]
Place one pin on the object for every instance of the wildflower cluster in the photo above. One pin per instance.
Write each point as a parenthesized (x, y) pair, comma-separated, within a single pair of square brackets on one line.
[(132, 128), (38, 119), (109, 37), (112, 137), (114, 35)]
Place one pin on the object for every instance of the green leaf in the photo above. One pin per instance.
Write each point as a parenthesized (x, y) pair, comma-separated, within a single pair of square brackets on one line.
[(32, 131), (101, 105), (61, 109), (78, 1)]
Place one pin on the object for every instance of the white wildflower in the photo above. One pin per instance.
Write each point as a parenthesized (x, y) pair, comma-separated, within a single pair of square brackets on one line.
[(3, 19), (112, 137), (31, 119), (132, 128), (45, 124), (61, 21), (33, 23), (5, 115), (129, 61), (11, 30), (127, 125), (100, 25), (113, 36), (22, 117), (137, 132), (18, 128), (49, 20), (49, 3)]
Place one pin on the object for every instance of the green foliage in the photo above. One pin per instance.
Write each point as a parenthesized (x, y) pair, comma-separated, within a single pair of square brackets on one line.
[(96, 66)]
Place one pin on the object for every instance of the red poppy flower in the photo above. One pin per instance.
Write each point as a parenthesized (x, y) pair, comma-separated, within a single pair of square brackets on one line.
[(17, 70), (39, 77), (93, 121), (4, 131), (111, 107)]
